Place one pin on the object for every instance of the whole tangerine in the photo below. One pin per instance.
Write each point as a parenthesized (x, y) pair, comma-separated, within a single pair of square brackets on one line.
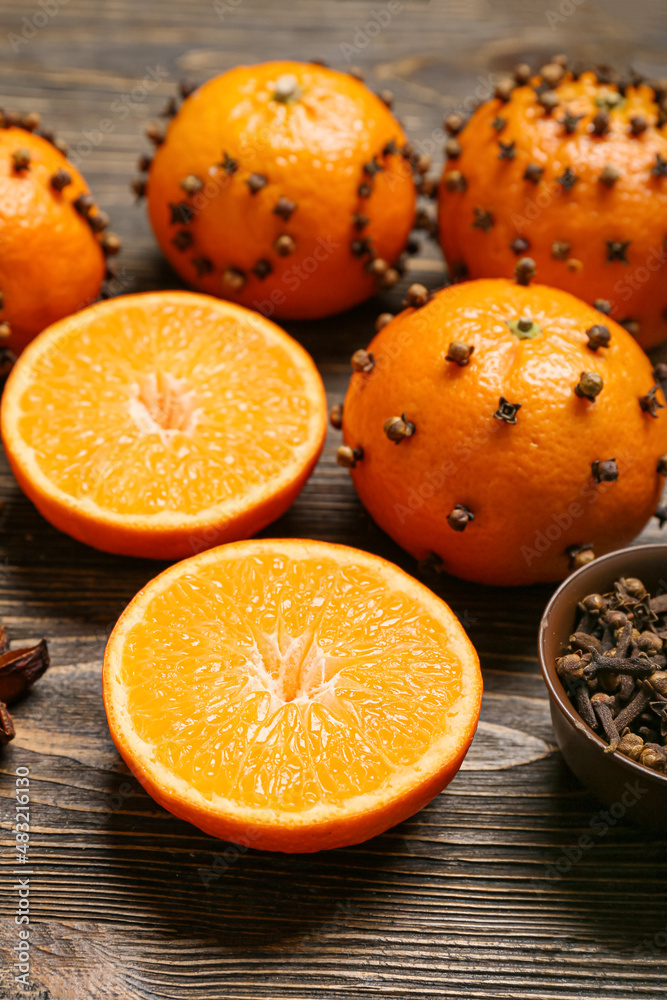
[(572, 170), (284, 186), (505, 432), (53, 238)]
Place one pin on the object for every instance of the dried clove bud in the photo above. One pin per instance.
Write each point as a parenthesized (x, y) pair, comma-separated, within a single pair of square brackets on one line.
[(603, 306), (110, 243), (60, 180), (377, 266), (616, 250), (389, 278), (525, 270), (649, 642), (417, 295), (284, 208), (228, 164), (507, 411), (570, 122), (459, 518), (533, 173), (589, 386), (362, 361), (256, 182), (21, 159), (519, 246), (638, 125), (452, 149), (284, 245), (382, 321), (348, 457), (654, 757), (504, 88), (598, 336), (336, 416), (631, 745), (610, 174), (552, 74), (233, 279), (99, 222), (567, 179), (31, 120), (633, 586), (459, 352), (454, 123), (605, 472), (600, 123), (455, 181), (183, 240), (570, 667), (659, 169), (579, 555), (398, 428), (139, 187), (192, 184), (549, 101), (262, 268), (155, 133), (650, 403), (560, 250)]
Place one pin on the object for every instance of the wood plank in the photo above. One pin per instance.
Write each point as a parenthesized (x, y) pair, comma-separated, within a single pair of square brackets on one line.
[(481, 895)]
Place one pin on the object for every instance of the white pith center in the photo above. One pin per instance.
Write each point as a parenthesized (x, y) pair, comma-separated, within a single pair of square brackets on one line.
[(163, 404)]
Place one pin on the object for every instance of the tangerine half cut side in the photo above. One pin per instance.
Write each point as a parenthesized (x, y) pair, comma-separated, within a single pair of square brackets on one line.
[(163, 423), (291, 695)]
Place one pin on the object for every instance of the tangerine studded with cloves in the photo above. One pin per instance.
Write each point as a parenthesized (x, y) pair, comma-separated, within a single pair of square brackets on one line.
[(578, 179), (53, 238), (503, 427), (293, 182)]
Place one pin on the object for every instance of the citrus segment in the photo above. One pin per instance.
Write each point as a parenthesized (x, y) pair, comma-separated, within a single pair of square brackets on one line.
[(164, 423), (297, 694)]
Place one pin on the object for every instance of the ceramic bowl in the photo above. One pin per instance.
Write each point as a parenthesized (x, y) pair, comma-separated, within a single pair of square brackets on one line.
[(629, 789)]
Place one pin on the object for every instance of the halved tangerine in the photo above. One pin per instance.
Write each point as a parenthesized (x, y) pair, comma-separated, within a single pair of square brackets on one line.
[(164, 423), (291, 695)]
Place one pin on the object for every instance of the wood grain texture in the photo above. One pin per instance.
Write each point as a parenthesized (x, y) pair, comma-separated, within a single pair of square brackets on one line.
[(482, 894)]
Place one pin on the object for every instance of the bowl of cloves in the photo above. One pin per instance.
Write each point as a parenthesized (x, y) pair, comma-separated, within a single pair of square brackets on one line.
[(603, 653)]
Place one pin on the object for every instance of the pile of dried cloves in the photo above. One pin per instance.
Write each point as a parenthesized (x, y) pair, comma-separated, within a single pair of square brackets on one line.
[(614, 670), (19, 669)]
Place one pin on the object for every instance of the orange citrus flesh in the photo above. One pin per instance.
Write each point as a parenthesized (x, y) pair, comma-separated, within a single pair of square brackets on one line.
[(162, 424), (292, 695)]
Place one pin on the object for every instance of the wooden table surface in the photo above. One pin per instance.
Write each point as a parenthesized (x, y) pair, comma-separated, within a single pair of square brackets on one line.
[(481, 895)]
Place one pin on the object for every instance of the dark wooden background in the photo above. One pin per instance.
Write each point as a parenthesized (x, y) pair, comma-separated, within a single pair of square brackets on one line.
[(461, 901)]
